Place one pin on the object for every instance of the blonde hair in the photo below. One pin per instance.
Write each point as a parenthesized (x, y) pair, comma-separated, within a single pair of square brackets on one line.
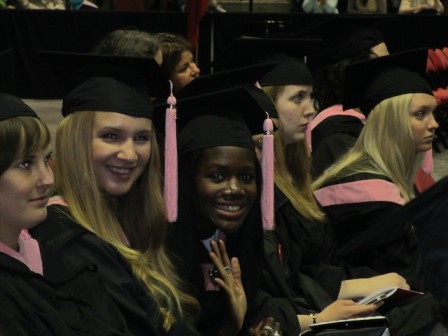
[(384, 147), (137, 216), (292, 170)]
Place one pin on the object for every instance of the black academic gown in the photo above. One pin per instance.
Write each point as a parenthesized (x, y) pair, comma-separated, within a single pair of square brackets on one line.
[(76, 246), (394, 248), (304, 270), (333, 135), (302, 263), (67, 301)]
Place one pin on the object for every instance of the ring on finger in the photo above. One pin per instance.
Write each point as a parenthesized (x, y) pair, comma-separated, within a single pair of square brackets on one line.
[(268, 328), (227, 269)]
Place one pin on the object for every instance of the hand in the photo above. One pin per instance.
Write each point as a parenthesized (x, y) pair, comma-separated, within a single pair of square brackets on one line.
[(230, 282), (387, 280), (359, 288), (266, 327), (346, 309)]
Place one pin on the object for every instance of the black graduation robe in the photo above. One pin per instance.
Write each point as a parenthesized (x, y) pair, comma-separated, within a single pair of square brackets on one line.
[(333, 133), (76, 246), (304, 270), (355, 205), (67, 301)]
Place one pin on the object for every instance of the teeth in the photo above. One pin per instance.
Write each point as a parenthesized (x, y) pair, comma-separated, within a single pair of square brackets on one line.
[(120, 170), (229, 208)]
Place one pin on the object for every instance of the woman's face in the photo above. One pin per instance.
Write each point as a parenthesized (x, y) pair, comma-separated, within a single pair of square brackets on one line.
[(24, 191), (295, 109), (121, 149), (185, 71), (226, 188), (423, 124)]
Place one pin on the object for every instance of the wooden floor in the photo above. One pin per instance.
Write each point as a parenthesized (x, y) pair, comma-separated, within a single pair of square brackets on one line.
[(49, 111)]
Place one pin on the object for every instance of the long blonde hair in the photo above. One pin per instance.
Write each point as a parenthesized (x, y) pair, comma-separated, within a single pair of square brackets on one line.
[(384, 147), (137, 216), (292, 170)]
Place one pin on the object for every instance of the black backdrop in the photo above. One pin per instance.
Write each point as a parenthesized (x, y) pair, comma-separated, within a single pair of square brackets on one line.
[(29, 31)]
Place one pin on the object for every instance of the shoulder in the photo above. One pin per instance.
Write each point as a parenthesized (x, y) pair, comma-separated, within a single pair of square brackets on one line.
[(359, 188)]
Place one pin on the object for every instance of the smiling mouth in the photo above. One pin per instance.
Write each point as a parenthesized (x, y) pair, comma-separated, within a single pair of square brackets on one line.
[(228, 208), (118, 170)]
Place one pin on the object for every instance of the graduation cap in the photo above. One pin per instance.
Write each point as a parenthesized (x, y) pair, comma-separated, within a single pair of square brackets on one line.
[(290, 71), (226, 79), (345, 38), (247, 102), (244, 51), (71, 69), (369, 82), (7, 71), (11, 107)]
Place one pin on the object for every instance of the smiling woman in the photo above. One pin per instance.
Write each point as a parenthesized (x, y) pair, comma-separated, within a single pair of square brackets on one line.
[(108, 182), (36, 299), (218, 235)]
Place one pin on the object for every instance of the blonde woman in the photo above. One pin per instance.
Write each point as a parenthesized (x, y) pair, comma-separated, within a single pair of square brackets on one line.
[(109, 182), (376, 176), (303, 272)]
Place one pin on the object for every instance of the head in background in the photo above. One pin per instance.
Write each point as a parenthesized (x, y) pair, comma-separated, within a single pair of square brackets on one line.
[(130, 42), (178, 60), (343, 47), (26, 178)]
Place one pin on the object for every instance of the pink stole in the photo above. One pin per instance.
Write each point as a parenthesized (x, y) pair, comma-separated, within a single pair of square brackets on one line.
[(28, 254)]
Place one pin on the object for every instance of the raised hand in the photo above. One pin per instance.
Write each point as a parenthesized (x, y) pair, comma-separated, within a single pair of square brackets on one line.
[(229, 280)]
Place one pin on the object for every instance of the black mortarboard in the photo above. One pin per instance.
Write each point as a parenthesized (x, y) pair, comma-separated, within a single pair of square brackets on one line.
[(341, 41), (244, 51), (11, 107), (144, 74), (369, 82), (109, 95), (248, 103), (290, 71), (7, 69), (226, 79)]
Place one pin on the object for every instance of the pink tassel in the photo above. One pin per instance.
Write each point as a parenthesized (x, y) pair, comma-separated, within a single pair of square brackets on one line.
[(267, 166), (170, 183), (427, 164)]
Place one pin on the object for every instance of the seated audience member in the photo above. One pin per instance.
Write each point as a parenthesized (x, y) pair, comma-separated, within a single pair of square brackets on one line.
[(302, 268), (178, 60), (422, 7), (41, 4), (108, 179), (320, 6), (40, 295), (374, 178), (333, 130), (367, 6), (130, 42)]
